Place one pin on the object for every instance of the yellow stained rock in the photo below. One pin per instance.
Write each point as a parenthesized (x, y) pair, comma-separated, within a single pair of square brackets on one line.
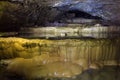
[(31, 69), (82, 62), (41, 54)]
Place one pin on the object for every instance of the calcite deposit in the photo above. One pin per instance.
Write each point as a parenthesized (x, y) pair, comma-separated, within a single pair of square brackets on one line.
[(57, 58)]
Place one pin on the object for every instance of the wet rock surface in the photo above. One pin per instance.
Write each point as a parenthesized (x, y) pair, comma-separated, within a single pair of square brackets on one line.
[(107, 73), (38, 59), (71, 32)]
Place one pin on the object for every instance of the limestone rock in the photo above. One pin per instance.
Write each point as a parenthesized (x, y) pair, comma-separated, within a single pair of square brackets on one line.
[(108, 10)]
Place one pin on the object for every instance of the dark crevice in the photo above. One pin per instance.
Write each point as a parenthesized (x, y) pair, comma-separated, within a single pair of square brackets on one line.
[(79, 17), (82, 14)]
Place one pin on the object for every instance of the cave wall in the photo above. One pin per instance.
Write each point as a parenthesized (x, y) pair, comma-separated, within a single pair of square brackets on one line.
[(8, 19), (108, 10), (93, 50), (15, 14)]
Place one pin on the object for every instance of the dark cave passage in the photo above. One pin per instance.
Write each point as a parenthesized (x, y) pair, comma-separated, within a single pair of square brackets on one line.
[(81, 14), (78, 17)]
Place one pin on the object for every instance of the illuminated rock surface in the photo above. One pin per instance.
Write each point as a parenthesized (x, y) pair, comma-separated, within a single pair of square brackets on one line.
[(71, 31), (32, 69), (93, 49), (36, 58)]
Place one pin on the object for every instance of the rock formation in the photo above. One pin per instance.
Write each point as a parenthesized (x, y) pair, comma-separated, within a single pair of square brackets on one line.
[(38, 58), (108, 10)]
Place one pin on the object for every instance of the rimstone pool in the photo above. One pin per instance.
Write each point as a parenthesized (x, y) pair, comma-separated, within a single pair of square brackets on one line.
[(59, 57)]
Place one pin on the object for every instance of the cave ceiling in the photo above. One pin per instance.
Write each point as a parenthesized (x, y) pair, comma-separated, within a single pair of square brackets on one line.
[(106, 9)]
